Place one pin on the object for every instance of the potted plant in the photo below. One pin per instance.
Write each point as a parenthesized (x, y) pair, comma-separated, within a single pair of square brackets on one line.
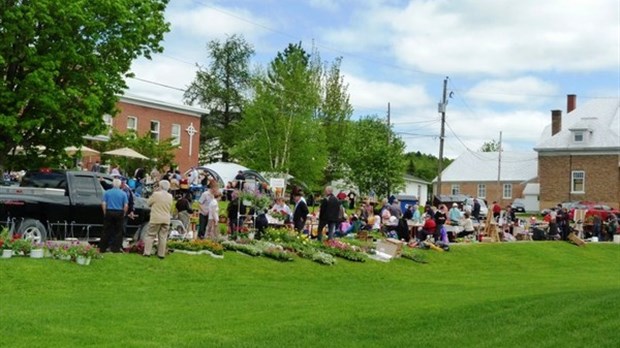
[(85, 253), (37, 251), (21, 246), (7, 248)]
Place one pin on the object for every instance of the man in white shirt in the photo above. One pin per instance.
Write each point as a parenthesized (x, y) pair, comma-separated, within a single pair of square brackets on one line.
[(205, 199)]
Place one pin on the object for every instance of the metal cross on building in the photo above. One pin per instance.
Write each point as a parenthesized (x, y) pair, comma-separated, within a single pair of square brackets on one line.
[(191, 131)]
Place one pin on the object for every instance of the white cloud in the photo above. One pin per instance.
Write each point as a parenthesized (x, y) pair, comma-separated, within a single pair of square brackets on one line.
[(491, 37), (217, 22), (368, 94), (527, 90)]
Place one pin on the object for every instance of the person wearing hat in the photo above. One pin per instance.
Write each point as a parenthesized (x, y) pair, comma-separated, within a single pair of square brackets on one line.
[(454, 214)]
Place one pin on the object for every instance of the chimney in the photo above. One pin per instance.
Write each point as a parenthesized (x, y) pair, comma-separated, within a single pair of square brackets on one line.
[(556, 121), (571, 102)]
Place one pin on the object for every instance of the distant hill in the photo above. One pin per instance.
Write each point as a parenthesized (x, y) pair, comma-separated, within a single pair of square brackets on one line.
[(422, 165)]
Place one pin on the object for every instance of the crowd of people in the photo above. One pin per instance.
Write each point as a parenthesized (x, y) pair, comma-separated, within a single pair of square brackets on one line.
[(387, 217)]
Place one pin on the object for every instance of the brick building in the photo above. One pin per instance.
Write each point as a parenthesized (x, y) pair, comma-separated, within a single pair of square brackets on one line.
[(579, 154), (475, 174), (163, 121)]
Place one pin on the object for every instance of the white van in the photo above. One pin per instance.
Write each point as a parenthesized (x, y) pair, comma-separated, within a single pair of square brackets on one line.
[(484, 210)]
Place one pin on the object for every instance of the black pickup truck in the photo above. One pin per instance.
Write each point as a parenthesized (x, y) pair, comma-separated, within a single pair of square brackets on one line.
[(58, 204)]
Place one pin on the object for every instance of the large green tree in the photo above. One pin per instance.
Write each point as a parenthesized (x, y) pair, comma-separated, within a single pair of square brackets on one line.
[(280, 131), (222, 89), (375, 166), (62, 65), (334, 112)]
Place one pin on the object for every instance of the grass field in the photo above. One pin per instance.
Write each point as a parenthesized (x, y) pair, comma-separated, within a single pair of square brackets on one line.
[(543, 294)]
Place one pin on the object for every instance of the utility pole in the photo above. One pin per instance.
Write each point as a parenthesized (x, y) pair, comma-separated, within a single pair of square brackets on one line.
[(500, 191), (442, 109), (388, 143)]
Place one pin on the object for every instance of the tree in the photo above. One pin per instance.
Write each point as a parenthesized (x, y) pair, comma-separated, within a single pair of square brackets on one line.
[(280, 132), (410, 167), (221, 88), (375, 166), (334, 113), (490, 146), (62, 65)]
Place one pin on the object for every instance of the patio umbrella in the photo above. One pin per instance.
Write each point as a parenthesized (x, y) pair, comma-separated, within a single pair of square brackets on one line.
[(126, 152), (86, 151)]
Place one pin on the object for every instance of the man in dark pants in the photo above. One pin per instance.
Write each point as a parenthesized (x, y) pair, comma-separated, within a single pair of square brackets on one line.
[(329, 213), (475, 212), (300, 214), (114, 205)]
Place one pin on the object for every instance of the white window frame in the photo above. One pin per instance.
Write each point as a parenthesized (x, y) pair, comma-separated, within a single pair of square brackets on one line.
[(455, 189), (108, 120), (507, 191), (135, 123), (155, 133), (482, 191), (580, 134), (578, 175), (176, 138)]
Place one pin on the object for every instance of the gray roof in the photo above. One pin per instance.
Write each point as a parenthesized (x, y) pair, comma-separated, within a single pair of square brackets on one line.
[(157, 104), (599, 118), (482, 166)]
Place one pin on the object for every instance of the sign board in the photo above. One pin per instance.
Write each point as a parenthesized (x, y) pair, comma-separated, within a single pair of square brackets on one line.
[(278, 185)]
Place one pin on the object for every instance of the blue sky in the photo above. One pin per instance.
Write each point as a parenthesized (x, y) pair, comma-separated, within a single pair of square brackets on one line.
[(509, 62)]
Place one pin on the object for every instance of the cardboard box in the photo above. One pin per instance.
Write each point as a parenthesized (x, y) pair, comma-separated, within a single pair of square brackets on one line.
[(392, 247)]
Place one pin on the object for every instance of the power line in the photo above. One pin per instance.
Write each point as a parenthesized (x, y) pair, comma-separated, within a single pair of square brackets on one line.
[(157, 83)]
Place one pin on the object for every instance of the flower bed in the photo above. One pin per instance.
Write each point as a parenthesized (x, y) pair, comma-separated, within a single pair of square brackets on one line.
[(343, 250), (277, 254), (247, 249), (197, 245)]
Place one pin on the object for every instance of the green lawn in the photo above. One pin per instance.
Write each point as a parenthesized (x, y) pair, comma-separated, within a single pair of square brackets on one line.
[(543, 294)]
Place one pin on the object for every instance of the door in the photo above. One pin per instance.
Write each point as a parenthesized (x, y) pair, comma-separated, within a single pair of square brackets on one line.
[(87, 216)]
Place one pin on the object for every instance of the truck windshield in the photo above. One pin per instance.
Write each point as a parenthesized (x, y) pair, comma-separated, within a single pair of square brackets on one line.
[(52, 179)]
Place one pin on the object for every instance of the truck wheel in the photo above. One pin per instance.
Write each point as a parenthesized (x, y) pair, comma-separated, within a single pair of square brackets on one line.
[(32, 230)]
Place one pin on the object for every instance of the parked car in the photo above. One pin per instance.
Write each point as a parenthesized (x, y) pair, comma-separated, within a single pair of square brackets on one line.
[(593, 209), (69, 200), (484, 210), (518, 206)]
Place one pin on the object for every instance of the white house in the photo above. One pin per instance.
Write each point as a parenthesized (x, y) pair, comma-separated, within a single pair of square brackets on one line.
[(415, 186)]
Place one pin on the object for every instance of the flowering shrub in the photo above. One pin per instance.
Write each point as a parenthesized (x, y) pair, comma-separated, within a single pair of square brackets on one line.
[(343, 250), (197, 245), (277, 254), (247, 249)]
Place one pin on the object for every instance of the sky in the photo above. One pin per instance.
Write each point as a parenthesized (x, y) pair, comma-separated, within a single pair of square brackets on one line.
[(508, 63)]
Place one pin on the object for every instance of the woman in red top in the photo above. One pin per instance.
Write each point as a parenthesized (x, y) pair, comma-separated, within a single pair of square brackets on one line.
[(428, 227)]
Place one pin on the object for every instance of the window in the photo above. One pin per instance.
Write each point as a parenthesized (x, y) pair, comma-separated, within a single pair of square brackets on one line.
[(132, 123), (578, 181), (107, 120), (507, 191), (84, 185), (155, 130), (578, 137), (176, 134), (455, 189), (482, 190)]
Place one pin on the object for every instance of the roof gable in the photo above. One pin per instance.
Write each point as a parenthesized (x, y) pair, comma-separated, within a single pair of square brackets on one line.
[(483, 166), (599, 119)]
